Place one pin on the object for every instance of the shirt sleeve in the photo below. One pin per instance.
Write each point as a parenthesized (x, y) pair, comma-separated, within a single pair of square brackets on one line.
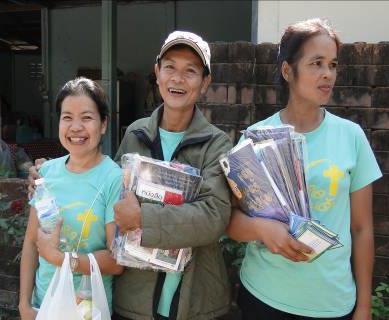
[(112, 195), (366, 169)]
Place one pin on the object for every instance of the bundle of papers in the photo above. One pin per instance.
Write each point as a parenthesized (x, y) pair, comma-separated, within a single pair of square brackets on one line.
[(161, 182), (266, 172)]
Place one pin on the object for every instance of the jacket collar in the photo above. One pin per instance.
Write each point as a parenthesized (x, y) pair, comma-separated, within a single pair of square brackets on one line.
[(199, 128)]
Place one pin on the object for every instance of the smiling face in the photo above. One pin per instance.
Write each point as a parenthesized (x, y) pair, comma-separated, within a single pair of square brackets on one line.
[(316, 71), (80, 126), (180, 78)]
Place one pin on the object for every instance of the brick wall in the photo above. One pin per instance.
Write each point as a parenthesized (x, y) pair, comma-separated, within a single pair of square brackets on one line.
[(244, 92)]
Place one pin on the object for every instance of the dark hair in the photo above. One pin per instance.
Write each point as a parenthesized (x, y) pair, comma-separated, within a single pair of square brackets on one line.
[(293, 40), (182, 46), (84, 86)]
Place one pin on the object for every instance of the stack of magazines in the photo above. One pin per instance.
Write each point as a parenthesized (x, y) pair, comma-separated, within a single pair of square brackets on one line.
[(266, 172), (161, 182)]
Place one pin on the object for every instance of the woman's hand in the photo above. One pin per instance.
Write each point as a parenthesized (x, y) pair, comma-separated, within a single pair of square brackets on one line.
[(48, 245), (27, 312), (275, 236), (128, 213), (33, 175)]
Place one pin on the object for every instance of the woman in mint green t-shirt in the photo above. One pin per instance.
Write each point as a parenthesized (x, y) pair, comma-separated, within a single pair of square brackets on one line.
[(85, 184), (277, 282)]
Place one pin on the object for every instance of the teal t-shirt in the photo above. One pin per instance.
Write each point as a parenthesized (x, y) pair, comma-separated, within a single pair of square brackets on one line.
[(340, 161), (74, 194), (169, 141)]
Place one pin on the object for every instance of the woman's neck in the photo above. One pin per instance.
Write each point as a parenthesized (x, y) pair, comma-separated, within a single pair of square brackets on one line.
[(304, 117), (79, 164), (176, 120)]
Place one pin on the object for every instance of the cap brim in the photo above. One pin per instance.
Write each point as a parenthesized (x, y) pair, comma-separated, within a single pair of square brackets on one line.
[(189, 43)]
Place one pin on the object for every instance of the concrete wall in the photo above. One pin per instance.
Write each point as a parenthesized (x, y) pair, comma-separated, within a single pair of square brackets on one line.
[(355, 20)]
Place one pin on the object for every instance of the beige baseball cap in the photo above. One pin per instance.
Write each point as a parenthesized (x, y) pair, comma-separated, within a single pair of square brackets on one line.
[(192, 40)]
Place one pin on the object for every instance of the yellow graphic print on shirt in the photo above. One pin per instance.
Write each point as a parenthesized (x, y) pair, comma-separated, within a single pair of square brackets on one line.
[(73, 235), (87, 218), (322, 197)]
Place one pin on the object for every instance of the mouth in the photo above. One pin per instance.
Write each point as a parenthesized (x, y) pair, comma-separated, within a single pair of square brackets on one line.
[(77, 140), (177, 92), (325, 88)]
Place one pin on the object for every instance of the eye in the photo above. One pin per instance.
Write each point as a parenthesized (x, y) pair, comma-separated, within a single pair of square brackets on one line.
[(86, 118), (317, 63), (168, 67), (333, 65), (66, 118)]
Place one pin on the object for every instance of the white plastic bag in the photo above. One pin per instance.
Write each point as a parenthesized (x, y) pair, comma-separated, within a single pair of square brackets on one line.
[(60, 299)]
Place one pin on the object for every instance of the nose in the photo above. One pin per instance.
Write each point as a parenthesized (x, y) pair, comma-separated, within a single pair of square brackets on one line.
[(177, 77), (328, 72), (76, 125)]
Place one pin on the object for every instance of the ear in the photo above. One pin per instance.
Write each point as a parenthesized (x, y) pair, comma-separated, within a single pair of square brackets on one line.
[(286, 71), (156, 70), (104, 126), (206, 82)]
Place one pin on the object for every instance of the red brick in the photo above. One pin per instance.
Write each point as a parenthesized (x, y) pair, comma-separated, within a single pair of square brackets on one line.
[(382, 185), (219, 52), (265, 74), (380, 98), (227, 114), (382, 246), (339, 111), (220, 72), (232, 94), (380, 119), (266, 53), (381, 224), (356, 75), (267, 95), (351, 96), (264, 111), (383, 161), (380, 140), (217, 93), (362, 116), (381, 76), (381, 204), (356, 53), (381, 267), (380, 53), (241, 51), (247, 94)]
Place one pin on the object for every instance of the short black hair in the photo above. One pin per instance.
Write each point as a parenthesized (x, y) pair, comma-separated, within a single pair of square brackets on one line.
[(84, 86)]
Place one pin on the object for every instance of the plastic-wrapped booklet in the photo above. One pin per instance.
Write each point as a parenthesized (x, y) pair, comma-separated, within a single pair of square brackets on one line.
[(252, 184), (160, 182), (266, 172)]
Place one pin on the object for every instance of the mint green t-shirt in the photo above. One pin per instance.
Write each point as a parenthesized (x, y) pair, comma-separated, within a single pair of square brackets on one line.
[(74, 194), (169, 141), (340, 161)]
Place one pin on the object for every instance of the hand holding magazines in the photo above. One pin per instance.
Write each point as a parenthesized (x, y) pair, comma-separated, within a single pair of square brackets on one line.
[(160, 182), (266, 172)]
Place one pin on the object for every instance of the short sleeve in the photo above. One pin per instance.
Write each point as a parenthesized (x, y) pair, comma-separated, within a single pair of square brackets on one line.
[(366, 169), (112, 195)]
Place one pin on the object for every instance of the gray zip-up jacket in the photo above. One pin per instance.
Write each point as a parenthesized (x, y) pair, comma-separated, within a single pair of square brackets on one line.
[(204, 291)]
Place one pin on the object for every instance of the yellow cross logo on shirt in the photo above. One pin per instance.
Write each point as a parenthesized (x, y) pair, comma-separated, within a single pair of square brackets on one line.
[(334, 174), (87, 218)]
